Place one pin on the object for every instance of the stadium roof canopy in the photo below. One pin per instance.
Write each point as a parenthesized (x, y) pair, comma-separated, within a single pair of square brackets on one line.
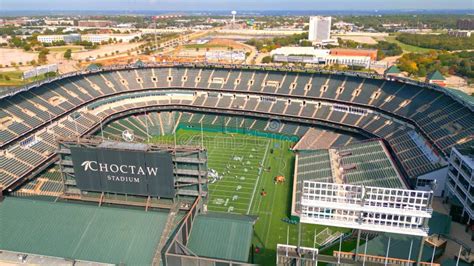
[(93, 67), (222, 236), (81, 232), (139, 63), (392, 70), (436, 75), (462, 95)]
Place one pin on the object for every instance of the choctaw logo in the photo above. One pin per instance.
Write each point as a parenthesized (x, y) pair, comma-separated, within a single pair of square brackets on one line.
[(274, 125), (95, 166), (87, 165), (128, 136)]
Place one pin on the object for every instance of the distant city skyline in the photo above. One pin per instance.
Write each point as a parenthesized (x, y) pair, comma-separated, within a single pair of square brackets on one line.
[(213, 5)]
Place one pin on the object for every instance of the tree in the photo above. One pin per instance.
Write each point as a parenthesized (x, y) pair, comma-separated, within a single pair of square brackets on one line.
[(68, 54), (306, 43), (380, 55), (42, 56), (442, 41), (267, 60), (420, 64), (50, 74)]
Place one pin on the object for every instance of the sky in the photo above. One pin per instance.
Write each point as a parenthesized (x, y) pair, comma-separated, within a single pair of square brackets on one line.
[(210, 5)]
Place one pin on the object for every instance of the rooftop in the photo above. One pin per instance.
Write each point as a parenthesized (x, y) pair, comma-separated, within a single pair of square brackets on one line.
[(436, 75), (400, 244), (82, 232), (393, 70), (462, 95), (222, 236), (123, 145)]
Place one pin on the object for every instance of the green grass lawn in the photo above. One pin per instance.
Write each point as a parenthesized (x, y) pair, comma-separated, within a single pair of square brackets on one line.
[(205, 46), (64, 48), (239, 158), (14, 78), (406, 47)]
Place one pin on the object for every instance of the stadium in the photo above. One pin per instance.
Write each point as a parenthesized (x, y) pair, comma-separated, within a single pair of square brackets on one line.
[(259, 160)]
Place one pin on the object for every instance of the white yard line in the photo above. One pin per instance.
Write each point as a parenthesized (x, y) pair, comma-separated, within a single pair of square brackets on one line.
[(209, 152), (259, 175)]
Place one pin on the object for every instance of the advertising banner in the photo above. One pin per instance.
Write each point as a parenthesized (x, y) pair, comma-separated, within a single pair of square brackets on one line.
[(125, 172)]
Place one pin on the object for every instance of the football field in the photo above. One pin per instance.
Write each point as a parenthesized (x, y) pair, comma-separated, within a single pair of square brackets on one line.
[(237, 161), (243, 182)]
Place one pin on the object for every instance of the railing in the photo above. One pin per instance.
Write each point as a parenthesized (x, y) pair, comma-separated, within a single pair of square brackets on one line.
[(378, 259)]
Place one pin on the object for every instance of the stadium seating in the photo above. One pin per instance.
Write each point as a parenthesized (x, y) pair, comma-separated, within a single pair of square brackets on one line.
[(372, 165), (315, 166), (440, 119)]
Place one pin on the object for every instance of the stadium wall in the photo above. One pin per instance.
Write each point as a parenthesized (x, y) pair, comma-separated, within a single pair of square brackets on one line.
[(439, 176)]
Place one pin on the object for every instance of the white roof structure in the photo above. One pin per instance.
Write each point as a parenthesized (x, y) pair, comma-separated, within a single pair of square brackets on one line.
[(286, 51), (399, 211)]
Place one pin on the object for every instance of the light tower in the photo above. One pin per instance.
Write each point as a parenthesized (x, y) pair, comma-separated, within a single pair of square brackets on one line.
[(233, 16)]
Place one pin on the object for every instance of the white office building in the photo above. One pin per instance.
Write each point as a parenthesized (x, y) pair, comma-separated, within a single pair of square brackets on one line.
[(98, 38), (94, 38), (460, 184), (50, 38), (311, 55), (319, 29)]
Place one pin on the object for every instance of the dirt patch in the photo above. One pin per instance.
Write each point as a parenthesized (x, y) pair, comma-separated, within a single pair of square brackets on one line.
[(105, 49), (230, 43), (7, 56), (459, 83), (359, 39)]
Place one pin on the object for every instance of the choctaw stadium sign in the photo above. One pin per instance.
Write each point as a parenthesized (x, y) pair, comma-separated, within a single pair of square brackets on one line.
[(132, 172)]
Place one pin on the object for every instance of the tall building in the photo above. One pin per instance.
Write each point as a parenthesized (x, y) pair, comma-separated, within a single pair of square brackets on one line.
[(460, 184), (319, 29)]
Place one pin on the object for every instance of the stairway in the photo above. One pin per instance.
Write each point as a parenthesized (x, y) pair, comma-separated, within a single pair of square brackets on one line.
[(166, 232)]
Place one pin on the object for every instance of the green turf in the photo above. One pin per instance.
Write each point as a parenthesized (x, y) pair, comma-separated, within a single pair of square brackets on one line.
[(205, 46), (278, 159), (15, 78), (406, 47), (64, 48)]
